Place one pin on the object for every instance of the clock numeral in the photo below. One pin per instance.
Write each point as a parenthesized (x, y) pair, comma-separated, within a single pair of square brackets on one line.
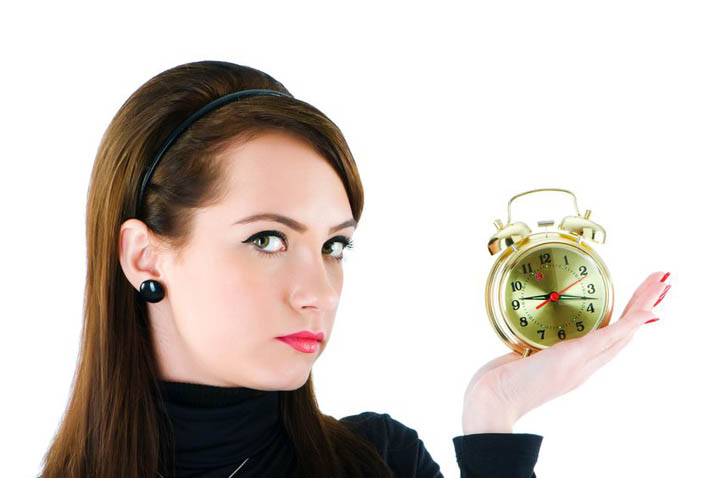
[(566, 261), (561, 334), (542, 334), (527, 268), (523, 321), (544, 258), (590, 308), (583, 270), (591, 288), (580, 326), (515, 304), (517, 285)]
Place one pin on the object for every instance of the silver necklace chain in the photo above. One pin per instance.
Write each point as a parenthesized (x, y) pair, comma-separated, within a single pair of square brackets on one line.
[(231, 474)]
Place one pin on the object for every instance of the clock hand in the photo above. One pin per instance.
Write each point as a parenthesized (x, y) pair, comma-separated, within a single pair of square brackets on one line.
[(566, 296), (555, 295), (536, 297)]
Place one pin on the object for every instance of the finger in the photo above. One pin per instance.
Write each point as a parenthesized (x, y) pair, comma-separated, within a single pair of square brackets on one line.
[(599, 340), (645, 300), (648, 296), (606, 355), (653, 278), (648, 301)]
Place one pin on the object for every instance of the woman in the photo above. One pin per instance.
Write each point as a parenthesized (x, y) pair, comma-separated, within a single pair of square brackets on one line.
[(214, 228)]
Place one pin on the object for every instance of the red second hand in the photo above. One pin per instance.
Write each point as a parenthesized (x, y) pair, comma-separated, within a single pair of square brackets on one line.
[(556, 294)]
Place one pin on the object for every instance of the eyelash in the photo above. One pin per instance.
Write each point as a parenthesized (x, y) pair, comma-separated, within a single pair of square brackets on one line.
[(348, 243)]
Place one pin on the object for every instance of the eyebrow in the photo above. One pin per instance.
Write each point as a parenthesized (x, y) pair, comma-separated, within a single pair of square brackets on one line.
[(292, 223)]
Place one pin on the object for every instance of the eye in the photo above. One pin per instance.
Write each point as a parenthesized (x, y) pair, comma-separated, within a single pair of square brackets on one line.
[(346, 244), (261, 239)]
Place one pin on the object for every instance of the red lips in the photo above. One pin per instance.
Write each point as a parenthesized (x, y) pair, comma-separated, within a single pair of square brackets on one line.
[(306, 334)]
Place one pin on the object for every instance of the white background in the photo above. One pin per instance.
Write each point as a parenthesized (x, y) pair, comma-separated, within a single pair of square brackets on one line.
[(450, 110)]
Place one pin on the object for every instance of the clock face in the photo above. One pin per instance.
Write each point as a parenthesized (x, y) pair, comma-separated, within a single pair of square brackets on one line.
[(554, 293)]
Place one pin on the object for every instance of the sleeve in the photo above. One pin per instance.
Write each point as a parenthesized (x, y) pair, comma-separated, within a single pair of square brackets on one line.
[(488, 455), (481, 455)]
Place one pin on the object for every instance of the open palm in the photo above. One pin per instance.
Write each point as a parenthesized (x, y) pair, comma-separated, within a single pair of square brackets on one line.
[(516, 385)]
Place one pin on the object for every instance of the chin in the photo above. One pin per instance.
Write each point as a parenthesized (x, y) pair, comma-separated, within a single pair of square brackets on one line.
[(292, 381)]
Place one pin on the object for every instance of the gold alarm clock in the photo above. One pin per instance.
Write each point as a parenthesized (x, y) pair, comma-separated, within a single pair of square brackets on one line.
[(549, 286)]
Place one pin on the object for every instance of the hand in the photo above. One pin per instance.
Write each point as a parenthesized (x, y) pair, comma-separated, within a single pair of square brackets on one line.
[(506, 388)]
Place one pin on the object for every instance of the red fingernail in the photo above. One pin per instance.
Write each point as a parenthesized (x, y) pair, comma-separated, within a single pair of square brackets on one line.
[(652, 320), (665, 277), (667, 288)]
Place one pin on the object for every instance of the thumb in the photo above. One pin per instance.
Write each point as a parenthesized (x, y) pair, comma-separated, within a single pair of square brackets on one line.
[(497, 362)]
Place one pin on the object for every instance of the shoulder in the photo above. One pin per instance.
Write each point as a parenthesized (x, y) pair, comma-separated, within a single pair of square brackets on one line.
[(399, 444), (382, 429)]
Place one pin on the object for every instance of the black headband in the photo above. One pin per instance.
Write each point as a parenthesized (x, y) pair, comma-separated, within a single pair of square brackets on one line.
[(185, 124)]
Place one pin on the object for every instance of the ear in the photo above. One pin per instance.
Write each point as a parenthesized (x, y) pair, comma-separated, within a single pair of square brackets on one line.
[(138, 253)]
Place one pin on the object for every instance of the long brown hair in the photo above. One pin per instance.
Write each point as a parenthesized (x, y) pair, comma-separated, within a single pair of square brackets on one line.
[(115, 425)]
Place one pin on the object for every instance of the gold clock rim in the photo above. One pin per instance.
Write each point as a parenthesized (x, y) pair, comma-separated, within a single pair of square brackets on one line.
[(501, 268)]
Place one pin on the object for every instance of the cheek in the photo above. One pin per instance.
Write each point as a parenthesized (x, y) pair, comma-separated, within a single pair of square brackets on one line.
[(221, 307)]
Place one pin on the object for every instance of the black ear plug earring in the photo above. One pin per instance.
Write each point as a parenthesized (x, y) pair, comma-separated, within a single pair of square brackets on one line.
[(152, 291)]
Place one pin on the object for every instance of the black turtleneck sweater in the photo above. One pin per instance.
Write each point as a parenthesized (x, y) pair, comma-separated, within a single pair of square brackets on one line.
[(216, 428)]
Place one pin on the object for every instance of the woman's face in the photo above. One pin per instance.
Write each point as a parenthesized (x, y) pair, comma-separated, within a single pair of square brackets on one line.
[(227, 299)]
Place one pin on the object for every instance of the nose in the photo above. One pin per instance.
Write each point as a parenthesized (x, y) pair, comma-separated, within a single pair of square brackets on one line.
[(317, 284)]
